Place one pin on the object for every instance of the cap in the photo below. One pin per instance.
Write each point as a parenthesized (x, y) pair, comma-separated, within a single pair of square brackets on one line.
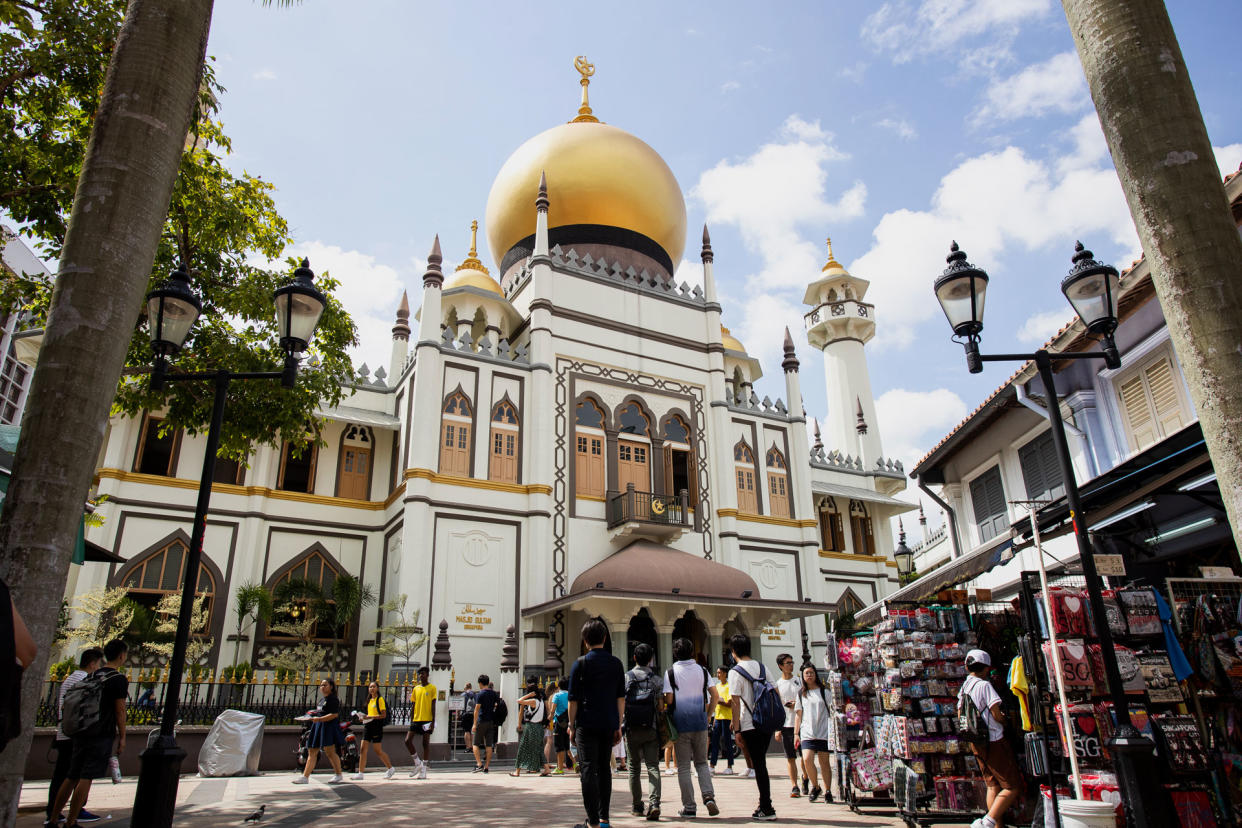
[(978, 657)]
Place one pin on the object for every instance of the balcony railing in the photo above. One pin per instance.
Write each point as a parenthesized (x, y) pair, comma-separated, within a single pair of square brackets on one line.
[(632, 505)]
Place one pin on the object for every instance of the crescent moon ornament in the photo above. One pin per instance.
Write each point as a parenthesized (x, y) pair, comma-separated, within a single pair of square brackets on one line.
[(586, 69)]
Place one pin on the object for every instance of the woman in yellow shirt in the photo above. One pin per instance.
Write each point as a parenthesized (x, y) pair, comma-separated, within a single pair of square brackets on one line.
[(722, 716), (373, 732)]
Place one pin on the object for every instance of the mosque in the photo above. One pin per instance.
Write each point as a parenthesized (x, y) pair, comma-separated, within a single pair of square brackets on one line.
[(565, 431)]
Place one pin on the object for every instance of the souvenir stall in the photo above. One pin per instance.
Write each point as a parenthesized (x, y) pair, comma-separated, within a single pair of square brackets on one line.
[(896, 689), (1187, 711)]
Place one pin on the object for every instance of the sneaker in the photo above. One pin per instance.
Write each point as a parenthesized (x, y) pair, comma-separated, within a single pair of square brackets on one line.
[(422, 771), (670, 771), (558, 772), (638, 810), (712, 807), (485, 770), (336, 779), (684, 814), (728, 772), (390, 773), (477, 769), (806, 786), (795, 793), (653, 813), (761, 815), (827, 797), (357, 777), (815, 793), (750, 773), (86, 816), (300, 780)]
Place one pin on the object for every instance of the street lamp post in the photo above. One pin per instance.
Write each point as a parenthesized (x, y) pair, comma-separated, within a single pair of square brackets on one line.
[(1091, 288), (902, 555), (172, 310)]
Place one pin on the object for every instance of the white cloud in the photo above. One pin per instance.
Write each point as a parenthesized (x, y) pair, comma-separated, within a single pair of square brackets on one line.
[(1056, 85), (908, 29), (1039, 327), (689, 272), (853, 72), (264, 74), (912, 421), (369, 290), (1228, 158), (758, 318), (730, 86), (990, 203), (904, 129)]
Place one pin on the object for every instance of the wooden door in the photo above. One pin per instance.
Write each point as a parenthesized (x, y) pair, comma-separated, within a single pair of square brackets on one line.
[(503, 466), (778, 496), (589, 468), (746, 491), (633, 465), (455, 449), (355, 472)]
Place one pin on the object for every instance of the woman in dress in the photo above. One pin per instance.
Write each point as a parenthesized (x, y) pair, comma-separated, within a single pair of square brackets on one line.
[(534, 721), (813, 729), (325, 734), (373, 731)]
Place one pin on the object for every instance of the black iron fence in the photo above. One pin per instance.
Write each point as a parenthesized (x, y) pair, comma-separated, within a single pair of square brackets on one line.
[(648, 507), (202, 701)]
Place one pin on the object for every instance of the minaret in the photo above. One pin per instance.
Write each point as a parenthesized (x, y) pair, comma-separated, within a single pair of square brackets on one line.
[(724, 492), (541, 217), (433, 280), (400, 339), (840, 324)]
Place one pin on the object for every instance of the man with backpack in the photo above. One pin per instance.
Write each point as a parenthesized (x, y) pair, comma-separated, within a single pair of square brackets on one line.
[(979, 704), (88, 663), (757, 714), (94, 717), (689, 693), (643, 704), (484, 728), (596, 707)]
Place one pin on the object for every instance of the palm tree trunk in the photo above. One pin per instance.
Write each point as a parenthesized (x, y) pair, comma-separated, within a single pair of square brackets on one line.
[(118, 212), (1164, 159)]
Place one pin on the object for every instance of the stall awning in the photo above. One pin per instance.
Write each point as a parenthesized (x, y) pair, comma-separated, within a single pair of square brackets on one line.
[(855, 493), (950, 575)]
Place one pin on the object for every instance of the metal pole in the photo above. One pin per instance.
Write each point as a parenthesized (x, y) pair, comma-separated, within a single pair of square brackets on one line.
[(156, 796), (1132, 752)]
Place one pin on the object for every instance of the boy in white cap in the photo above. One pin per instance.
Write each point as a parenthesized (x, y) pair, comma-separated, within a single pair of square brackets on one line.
[(996, 760)]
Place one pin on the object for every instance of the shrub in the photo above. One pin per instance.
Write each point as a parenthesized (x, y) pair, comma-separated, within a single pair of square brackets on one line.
[(61, 669)]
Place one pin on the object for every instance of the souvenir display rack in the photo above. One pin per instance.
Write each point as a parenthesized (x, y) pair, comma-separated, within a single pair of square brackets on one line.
[(911, 671), (1157, 701), (865, 780)]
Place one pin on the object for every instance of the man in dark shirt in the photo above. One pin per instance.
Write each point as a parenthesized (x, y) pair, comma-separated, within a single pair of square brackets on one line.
[(484, 727), (92, 751), (596, 707)]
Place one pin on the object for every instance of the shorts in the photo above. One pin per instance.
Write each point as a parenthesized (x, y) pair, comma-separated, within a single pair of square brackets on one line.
[(373, 732), (90, 757), (485, 735), (998, 766), (467, 720), (560, 738), (787, 742), (814, 745), (417, 727)]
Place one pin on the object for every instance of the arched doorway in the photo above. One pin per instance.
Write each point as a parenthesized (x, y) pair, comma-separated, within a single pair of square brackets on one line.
[(689, 626), (642, 631), (731, 628)]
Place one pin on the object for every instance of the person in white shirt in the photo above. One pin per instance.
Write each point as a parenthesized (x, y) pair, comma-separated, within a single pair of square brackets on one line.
[(789, 685), (813, 724), (688, 695), (996, 760), (90, 661), (754, 741)]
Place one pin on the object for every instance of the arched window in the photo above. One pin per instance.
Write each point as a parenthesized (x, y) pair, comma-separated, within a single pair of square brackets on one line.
[(319, 573), (831, 530), (503, 463), (778, 483), (162, 572), (633, 456), (157, 448), (457, 421), (848, 606), (354, 478), (744, 470), (297, 466), (678, 458), (589, 480), (860, 529)]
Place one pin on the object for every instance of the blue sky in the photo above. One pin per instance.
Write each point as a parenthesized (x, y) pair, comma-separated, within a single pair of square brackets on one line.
[(892, 126)]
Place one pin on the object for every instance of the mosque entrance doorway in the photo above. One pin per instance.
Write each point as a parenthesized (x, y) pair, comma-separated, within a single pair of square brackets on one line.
[(642, 631), (731, 628), (689, 626)]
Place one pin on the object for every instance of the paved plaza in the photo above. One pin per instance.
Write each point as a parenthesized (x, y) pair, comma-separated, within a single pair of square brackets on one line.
[(453, 798)]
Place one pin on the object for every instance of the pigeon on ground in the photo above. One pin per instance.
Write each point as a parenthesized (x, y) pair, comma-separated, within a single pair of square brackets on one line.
[(257, 816)]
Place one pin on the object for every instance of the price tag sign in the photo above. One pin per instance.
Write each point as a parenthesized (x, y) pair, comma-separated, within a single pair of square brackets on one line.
[(1113, 565), (1216, 572), (457, 703)]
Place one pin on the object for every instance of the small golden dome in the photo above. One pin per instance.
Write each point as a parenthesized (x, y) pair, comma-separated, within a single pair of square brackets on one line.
[(471, 272), (731, 343), (833, 267), (597, 175)]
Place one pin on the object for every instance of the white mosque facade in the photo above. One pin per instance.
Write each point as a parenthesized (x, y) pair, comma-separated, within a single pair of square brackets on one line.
[(568, 432)]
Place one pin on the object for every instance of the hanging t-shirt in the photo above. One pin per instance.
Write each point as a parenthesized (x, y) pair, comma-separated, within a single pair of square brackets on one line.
[(1018, 685), (1069, 611), (1075, 663)]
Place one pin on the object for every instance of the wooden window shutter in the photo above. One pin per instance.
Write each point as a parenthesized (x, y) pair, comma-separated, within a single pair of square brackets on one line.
[(1166, 401), (988, 496), (1140, 421)]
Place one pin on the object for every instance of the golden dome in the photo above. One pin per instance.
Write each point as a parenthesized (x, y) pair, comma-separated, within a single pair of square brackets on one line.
[(472, 272), (833, 267), (597, 175), (731, 343)]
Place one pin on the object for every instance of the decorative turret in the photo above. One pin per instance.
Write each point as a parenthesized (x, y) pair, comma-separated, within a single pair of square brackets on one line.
[(861, 425), (709, 279), (400, 338), (819, 439), (552, 662), (429, 313), (442, 659), (541, 217), (790, 362), (509, 652), (922, 516)]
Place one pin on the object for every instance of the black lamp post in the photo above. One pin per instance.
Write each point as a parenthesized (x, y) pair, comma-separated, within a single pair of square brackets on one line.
[(172, 309), (1091, 288), (902, 555)]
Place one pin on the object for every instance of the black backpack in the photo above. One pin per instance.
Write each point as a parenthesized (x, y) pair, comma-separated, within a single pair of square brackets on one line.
[(640, 701), (500, 712), (10, 673), (971, 726)]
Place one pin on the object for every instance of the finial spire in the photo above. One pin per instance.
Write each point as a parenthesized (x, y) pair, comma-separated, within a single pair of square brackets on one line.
[(922, 516), (819, 439), (541, 201), (861, 425), (586, 70), (401, 329), (434, 277), (706, 253), (832, 260), (790, 362), (472, 262)]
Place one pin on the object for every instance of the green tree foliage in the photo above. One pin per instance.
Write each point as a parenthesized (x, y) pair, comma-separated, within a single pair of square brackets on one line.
[(251, 603), (305, 656), (221, 223), (347, 597), (166, 612), (103, 614), (402, 636)]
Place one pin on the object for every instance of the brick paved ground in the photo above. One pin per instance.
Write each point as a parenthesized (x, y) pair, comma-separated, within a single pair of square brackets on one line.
[(449, 798)]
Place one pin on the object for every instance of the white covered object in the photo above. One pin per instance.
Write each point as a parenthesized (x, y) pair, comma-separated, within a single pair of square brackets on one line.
[(233, 745)]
